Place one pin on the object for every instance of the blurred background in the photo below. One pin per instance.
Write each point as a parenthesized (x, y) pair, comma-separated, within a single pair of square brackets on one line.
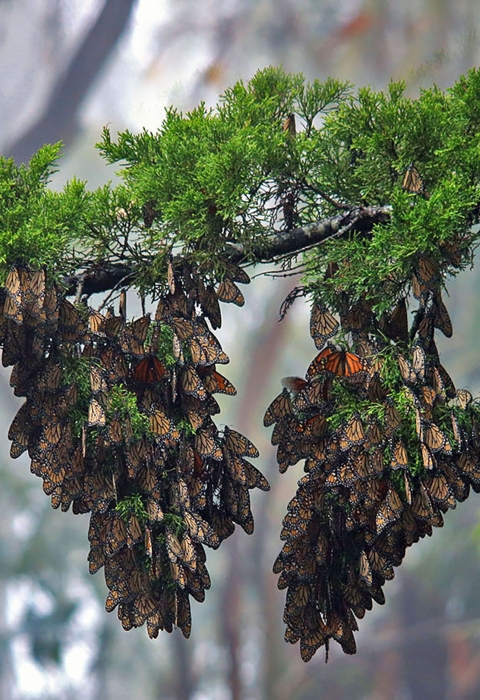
[(70, 67)]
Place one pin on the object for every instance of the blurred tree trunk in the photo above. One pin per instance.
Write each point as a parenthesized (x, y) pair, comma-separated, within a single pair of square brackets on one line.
[(185, 682), (59, 119), (231, 618), (425, 660)]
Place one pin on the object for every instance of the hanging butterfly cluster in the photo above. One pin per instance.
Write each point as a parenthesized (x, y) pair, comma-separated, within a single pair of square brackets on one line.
[(118, 422), (389, 446)]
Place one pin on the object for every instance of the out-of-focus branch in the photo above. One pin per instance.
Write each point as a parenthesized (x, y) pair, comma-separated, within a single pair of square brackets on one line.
[(59, 120), (274, 245)]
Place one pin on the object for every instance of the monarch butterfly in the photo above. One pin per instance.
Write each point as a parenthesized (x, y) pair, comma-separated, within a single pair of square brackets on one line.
[(116, 534), (441, 317), (50, 307), (315, 427), (161, 425), (294, 385), (136, 453), (14, 302), (229, 293), (379, 564), (154, 510), (113, 326), (389, 510), (183, 619), (376, 390), (99, 492), (210, 306), (464, 398), (191, 383), (358, 600), (289, 125), (395, 327), (469, 468), (200, 531), (254, 478), (96, 414), (435, 439), (20, 436), (392, 417), (322, 325), (365, 572), (197, 410), (96, 322), (374, 433), (281, 406), (413, 181), (174, 548), (459, 488), (206, 445), (442, 382), (454, 249), (98, 382), (352, 434), (363, 466), (426, 329), (406, 370), (183, 328), (188, 553), (439, 491), (72, 325), (418, 361), (358, 317), (421, 504), (206, 350), (238, 444), (427, 273), (221, 524), (34, 295), (286, 428), (51, 377), (399, 456), (298, 596), (338, 362), (428, 396), (133, 336), (150, 370), (236, 273), (235, 468), (134, 531), (96, 559), (245, 519)]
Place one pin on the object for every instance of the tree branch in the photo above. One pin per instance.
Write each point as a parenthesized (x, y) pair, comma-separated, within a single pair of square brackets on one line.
[(58, 122), (298, 239), (274, 245)]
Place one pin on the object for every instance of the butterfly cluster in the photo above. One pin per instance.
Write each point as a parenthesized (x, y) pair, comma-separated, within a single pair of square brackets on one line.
[(389, 446), (117, 421)]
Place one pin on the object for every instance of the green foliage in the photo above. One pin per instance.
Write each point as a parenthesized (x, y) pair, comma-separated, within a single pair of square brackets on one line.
[(365, 147), (213, 176), (132, 505), (38, 227), (122, 403)]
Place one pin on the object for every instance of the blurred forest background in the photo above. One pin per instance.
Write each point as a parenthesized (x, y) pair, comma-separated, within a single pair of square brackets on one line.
[(68, 68)]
